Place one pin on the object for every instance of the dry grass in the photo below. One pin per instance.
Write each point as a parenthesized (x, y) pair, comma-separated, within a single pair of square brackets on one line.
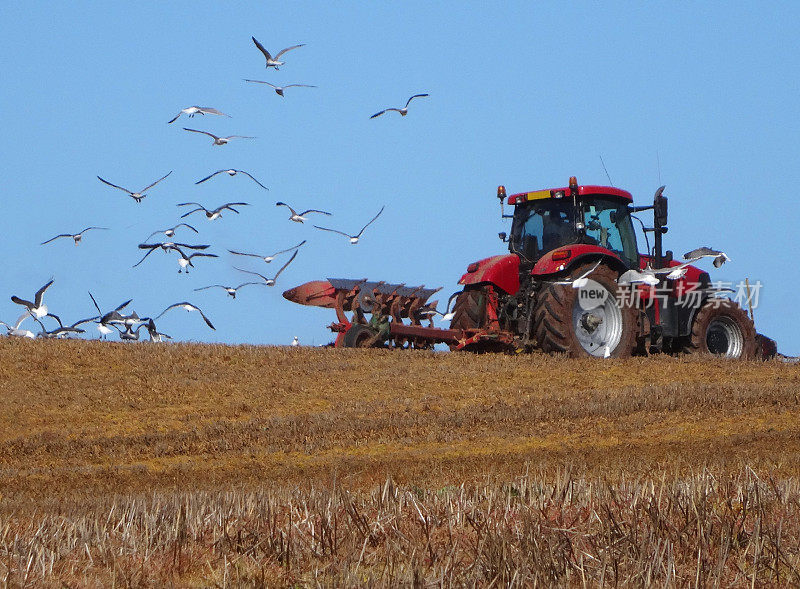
[(103, 446)]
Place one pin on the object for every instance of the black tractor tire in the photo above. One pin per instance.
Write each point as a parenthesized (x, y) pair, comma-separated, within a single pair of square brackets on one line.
[(722, 328), (558, 320), (360, 336), (469, 312)]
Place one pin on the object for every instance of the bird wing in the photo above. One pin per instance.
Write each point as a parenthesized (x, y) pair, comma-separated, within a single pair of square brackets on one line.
[(264, 278), (89, 228), (175, 118), (700, 253), (245, 254), (96, 306), (592, 269), (209, 176), (282, 51), (249, 175), (248, 283), (230, 205), (371, 221), (415, 96), (283, 204), (123, 305), (206, 319), (203, 132), (294, 255), (185, 225), (261, 48), (288, 249), (56, 237), (152, 249), (213, 111), (82, 321), (199, 255), (194, 247), (145, 189), (193, 211), (40, 293), (239, 137), (334, 231), (114, 185), (186, 204), (212, 286), (23, 302), (261, 82), (299, 86), (314, 211), (152, 234), (377, 114)]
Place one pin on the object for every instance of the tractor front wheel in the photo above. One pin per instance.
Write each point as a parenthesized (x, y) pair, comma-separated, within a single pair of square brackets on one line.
[(722, 328), (588, 321)]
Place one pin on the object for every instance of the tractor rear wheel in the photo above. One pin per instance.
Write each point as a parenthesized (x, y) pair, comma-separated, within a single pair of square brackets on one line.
[(359, 336), (585, 322), (469, 312), (722, 328)]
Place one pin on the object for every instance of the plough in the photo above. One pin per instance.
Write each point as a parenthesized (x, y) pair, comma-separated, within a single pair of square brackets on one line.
[(377, 313)]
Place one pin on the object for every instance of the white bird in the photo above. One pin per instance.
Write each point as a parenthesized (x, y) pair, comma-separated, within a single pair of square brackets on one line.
[(76, 237), (137, 196), (231, 290), (232, 172), (636, 277), (271, 257), (197, 110), (403, 111), (103, 319), (219, 140), (214, 214), (279, 89), (167, 247), (673, 272), (37, 308), (155, 335), (706, 252), (427, 311), (185, 261), (299, 217), (15, 331), (353, 238), (581, 280), (273, 61), (295, 342), (270, 281), (188, 307), (170, 232)]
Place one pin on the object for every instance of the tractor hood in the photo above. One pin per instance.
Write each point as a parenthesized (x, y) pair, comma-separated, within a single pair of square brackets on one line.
[(501, 271)]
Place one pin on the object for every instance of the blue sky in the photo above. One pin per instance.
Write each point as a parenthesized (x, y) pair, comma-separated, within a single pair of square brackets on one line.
[(522, 94)]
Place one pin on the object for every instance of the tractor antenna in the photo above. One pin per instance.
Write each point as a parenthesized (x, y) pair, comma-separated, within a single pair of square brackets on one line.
[(658, 162), (609, 176)]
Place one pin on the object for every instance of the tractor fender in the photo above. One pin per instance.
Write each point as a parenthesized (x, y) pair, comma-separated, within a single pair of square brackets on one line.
[(566, 257), (501, 271)]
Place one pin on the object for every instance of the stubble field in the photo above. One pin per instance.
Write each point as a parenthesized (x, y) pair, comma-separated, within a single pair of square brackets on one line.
[(214, 465)]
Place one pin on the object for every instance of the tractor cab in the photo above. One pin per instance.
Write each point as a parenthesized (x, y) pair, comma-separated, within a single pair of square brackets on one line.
[(546, 220)]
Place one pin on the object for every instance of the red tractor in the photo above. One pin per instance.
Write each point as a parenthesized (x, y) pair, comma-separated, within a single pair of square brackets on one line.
[(565, 286)]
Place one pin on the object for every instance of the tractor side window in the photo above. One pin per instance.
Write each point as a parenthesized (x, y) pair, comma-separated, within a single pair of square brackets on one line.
[(608, 222)]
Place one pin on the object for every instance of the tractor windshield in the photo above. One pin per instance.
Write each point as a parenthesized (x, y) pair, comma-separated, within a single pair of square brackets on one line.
[(608, 224), (543, 225)]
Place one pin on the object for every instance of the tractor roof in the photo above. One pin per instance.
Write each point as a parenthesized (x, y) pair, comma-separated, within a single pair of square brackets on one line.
[(521, 197)]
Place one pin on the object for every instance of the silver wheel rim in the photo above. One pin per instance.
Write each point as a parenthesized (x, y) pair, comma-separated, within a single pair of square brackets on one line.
[(603, 339), (724, 338)]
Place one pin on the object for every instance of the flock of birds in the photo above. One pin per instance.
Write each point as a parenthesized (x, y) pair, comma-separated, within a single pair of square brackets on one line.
[(128, 327)]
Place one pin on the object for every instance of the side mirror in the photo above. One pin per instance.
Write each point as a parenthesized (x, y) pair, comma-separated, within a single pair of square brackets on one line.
[(502, 235), (660, 208)]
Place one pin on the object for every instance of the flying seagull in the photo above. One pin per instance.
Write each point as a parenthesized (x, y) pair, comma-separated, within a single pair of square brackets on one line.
[(185, 261), (219, 140), (155, 335), (188, 307), (211, 215), (167, 247), (195, 110), (706, 252), (61, 330), (673, 272), (171, 231), (270, 281), (271, 257), (403, 111), (353, 238), (273, 61), (103, 319), (231, 290), (279, 89), (232, 172), (37, 308), (15, 331), (645, 276), (299, 218), (75, 236), (137, 196), (581, 280)]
